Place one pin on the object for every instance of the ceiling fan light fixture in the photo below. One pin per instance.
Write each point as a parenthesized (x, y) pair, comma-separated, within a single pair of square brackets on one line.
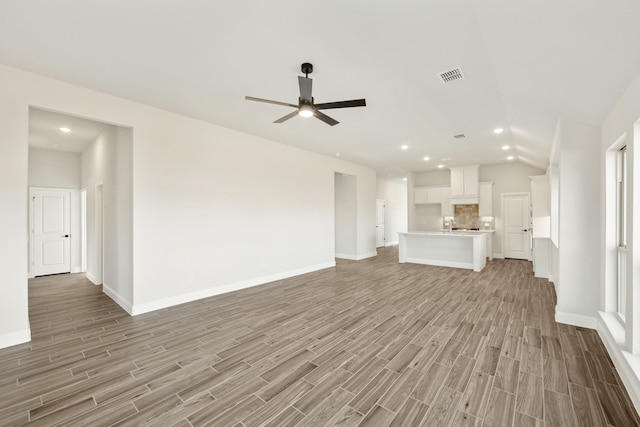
[(305, 111)]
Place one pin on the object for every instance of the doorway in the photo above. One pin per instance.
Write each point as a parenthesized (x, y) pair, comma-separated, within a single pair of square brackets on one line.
[(50, 227), (516, 234)]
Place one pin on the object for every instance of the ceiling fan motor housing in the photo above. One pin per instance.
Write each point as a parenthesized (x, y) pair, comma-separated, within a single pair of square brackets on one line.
[(306, 68)]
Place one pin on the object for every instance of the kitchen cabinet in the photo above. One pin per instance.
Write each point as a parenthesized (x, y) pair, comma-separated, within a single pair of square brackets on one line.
[(420, 195), (464, 184), (447, 207), (434, 195), (485, 190)]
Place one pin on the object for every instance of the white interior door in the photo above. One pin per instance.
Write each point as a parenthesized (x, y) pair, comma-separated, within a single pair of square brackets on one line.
[(516, 226), (50, 231), (380, 239)]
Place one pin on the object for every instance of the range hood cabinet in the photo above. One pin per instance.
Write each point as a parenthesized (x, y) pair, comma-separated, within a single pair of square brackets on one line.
[(464, 185)]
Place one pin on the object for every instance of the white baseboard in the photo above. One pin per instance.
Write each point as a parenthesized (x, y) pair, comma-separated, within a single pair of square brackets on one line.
[(440, 263), (14, 338), (392, 243), (367, 255), (93, 279), (356, 257), (346, 256), (577, 320), (76, 269), (627, 364), (498, 256), (122, 302), (205, 293), (30, 275)]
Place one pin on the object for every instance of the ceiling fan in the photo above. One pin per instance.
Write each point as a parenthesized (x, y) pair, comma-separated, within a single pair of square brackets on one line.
[(305, 106)]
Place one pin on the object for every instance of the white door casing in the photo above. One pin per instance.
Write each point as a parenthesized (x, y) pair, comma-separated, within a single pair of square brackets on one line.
[(50, 225), (516, 240), (380, 239)]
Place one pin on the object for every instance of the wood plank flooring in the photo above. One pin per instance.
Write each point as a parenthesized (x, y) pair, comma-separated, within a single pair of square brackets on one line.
[(368, 343)]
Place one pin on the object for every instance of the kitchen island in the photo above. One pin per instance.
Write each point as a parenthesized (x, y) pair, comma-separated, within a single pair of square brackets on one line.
[(443, 248)]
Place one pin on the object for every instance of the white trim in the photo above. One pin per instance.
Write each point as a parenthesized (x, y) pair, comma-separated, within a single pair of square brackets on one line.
[(76, 269), (498, 256), (627, 364), (14, 338), (577, 320), (127, 306), (394, 243), (30, 275), (440, 263), (205, 293), (93, 279), (356, 257)]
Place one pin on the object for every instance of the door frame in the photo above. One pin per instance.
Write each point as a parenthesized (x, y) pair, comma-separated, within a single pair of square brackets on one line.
[(504, 216), (384, 223), (31, 249)]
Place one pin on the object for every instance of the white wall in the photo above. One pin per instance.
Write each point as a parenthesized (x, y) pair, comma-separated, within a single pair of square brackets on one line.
[(109, 162), (578, 281), (60, 169), (346, 214), (213, 209), (394, 195), (14, 315), (51, 168)]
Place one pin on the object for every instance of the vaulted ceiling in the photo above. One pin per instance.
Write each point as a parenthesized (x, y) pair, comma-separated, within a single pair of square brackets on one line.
[(525, 64)]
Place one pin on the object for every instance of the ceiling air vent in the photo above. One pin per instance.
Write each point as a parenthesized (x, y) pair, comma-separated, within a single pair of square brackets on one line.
[(460, 136), (451, 75)]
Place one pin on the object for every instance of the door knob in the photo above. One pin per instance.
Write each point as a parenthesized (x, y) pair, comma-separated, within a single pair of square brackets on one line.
[(66, 235), (526, 229)]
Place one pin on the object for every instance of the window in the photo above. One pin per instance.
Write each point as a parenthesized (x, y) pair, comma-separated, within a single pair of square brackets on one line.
[(621, 231)]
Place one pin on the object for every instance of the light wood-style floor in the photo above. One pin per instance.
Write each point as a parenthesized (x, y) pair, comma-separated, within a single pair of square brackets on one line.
[(369, 343)]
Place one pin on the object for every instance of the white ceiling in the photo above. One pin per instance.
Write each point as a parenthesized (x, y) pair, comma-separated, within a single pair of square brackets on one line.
[(526, 63), (44, 131)]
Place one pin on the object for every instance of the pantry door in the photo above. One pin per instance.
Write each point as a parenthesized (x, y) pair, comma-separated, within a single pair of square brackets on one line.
[(517, 230)]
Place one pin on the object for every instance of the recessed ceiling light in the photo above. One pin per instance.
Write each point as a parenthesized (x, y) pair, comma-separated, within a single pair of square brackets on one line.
[(337, 154), (510, 158), (498, 131), (56, 146), (440, 166), (404, 146), (65, 130), (426, 158), (404, 179), (506, 147)]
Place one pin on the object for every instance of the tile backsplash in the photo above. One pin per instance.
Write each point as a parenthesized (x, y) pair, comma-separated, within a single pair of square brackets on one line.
[(467, 216)]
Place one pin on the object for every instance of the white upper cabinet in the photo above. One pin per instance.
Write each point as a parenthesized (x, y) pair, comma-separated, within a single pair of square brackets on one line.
[(485, 207), (420, 195), (464, 184), (434, 195), (447, 207)]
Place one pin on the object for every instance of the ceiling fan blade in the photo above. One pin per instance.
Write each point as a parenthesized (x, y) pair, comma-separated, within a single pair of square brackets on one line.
[(287, 117), (342, 104), (268, 101), (328, 120), (305, 89)]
